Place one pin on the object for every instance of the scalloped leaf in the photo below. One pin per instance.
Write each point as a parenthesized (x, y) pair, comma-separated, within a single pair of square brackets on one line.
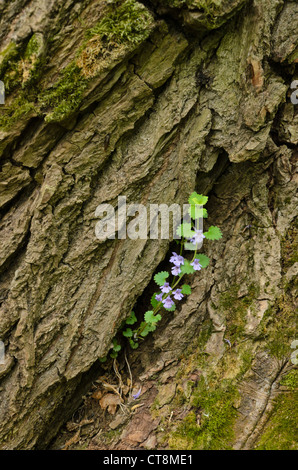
[(153, 301), (190, 246), (147, 328), (133, 344), (186, 268), (197, 199), (214, 233), (132, 319), (160, 278), (185, 230), (116, 346), (151, 318), (127, 333), (203, 260), (197, 212), (186, 289)]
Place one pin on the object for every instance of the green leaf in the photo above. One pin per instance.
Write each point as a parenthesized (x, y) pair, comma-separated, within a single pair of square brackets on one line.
[(186, 289), (190, 246), (160, 278), (133, 344), (116, 346), (131, 319), (114, 354), (197, 199), (147, 328), (103, 359), (127, 333), (214, 233), (184, 230), (186, 268), (203, 260), (153, 301), (197, 212), (151, 318)]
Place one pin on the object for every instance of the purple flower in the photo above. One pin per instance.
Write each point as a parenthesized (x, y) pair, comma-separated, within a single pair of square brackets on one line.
[(196, 265), (158, 297), (178, 294), (177, 260), (165, 289), (198, 237), (168, 302), (136, 395), (175, 270)]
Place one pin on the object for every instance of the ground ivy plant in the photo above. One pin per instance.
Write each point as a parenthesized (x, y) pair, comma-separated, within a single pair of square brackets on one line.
[(171, 288)]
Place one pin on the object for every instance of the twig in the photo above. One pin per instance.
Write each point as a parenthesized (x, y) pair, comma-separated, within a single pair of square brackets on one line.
[(130, 375)]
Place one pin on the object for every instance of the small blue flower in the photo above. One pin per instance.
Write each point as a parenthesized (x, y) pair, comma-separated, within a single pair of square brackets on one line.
[(177, 260), (165, 289), (158, 297), (136, 395), (198, 237), (168, 302), (175, 270), (178, 294), (196, 265)]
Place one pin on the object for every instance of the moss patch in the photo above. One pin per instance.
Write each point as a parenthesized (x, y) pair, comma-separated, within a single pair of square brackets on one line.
[(280, 432), (210, 425), (279, 324), (120, 31), (235, 309), (129, 23), (66, 95), (290, 380), (214, 12), (289, 246), (19, 108)]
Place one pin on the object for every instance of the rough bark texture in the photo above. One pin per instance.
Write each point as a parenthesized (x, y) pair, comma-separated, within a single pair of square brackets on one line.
[(194, 94)]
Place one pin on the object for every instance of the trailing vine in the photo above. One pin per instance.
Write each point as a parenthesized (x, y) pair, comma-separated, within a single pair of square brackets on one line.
[(171, 288)]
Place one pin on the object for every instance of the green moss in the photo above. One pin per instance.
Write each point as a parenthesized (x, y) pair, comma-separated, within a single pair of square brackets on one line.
[(121, 28), (289, 246), (129, 23), (210, 426), (19, 108), (7, 56), (33, 47), (34, 59), (214, 12), (66, 95), (279, 324), (10, 68), (20, 67), (235, 309), (280, 432), (290, 380)]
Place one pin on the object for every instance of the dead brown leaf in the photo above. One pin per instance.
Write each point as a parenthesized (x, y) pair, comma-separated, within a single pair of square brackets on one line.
[(97, 394), (110, 401)]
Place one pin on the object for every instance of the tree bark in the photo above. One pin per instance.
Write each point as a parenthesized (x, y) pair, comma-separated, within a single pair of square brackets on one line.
[(182, 95)]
